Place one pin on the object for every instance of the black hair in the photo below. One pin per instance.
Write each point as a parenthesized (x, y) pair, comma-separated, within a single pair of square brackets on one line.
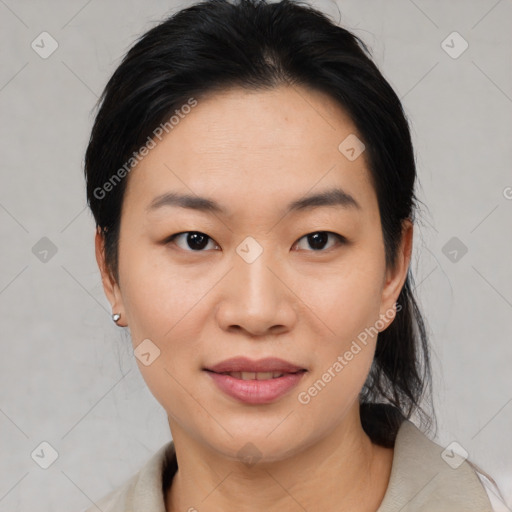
[(214, 45)]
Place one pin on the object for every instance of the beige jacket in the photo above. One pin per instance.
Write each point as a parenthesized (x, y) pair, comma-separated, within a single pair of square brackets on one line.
[(421, 481)]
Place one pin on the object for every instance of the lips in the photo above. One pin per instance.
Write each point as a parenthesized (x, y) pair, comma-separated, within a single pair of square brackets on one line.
[(255, 382), (255, 388), (244, 365)]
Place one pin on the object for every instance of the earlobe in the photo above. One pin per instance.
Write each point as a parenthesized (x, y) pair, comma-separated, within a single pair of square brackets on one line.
[(395, 277), (110, 285)]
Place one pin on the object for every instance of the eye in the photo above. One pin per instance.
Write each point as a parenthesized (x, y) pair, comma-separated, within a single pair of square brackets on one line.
[(318, 239), (195, 240)]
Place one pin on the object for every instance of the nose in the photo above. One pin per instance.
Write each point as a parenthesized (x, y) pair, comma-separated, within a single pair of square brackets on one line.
[(256, 298)]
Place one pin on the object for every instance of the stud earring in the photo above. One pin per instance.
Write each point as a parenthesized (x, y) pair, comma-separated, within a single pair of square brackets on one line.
[(116, 317)]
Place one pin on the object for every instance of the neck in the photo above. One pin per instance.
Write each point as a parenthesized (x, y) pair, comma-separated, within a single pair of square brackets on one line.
[(342, 471)]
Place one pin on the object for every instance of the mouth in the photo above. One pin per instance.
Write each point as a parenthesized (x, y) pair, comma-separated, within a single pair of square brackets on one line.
[(256, 375), (255, 382)]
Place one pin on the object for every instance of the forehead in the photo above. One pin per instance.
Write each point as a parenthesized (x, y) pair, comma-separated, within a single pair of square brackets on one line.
[(266, 145)]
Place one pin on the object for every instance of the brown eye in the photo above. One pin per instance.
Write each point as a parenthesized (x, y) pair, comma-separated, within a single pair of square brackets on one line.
[(191, 240), (318, 239)]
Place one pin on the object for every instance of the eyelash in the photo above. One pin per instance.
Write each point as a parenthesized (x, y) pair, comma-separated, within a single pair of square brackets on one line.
[(341, 239)]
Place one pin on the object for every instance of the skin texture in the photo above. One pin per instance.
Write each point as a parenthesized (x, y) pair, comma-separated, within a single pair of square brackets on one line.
[(254, 152)]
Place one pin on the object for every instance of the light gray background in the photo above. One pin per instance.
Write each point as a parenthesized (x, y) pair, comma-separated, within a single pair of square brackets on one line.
[(68, 376)]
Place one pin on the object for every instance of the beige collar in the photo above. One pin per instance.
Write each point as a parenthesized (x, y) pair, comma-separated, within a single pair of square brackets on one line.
[(420, 480)]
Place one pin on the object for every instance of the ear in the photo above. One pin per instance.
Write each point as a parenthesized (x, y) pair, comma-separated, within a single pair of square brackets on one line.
[(395, 277), (110, 286)]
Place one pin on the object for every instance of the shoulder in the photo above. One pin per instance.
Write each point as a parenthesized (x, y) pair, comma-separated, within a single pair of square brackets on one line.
[(427, 477), (143, 491), (491, 488)]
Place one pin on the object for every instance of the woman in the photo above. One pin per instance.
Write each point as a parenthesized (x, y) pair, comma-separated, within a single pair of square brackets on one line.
[(251, 175)]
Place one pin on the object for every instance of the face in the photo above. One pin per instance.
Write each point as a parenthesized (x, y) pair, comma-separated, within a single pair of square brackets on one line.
[(259, 271)]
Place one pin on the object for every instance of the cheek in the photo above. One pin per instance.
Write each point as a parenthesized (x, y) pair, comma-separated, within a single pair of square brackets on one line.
[(348, 305), (159, 298), (165, 305), (348, 298)]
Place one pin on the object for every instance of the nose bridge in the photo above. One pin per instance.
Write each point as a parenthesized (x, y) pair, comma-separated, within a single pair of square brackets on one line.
[(257, 286), (255, 299)]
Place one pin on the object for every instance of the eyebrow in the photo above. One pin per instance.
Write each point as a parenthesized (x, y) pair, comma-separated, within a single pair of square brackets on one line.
[(330, 197)]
